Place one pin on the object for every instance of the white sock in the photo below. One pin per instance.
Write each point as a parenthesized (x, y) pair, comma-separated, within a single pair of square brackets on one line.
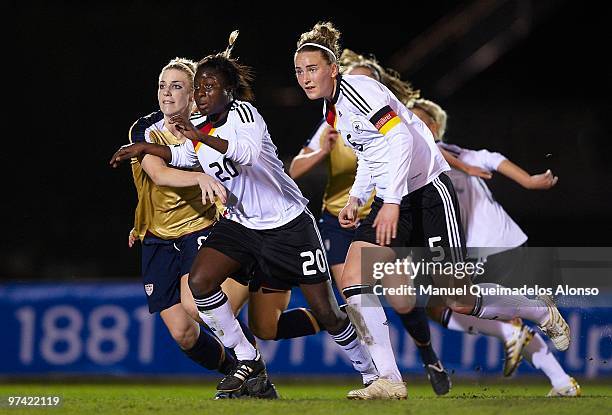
[(217, 313), (474, 325), (358, 354), (507, 307), (368, 317), (538, 354)]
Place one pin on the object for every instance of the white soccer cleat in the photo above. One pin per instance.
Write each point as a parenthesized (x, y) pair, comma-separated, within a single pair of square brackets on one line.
[(380, 389), (571, 390), (513, 348), (555, 327)]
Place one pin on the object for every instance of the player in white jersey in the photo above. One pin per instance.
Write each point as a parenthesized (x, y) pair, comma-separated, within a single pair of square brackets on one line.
[(487, 224), (266, 228), (415, 204), (342, 165)]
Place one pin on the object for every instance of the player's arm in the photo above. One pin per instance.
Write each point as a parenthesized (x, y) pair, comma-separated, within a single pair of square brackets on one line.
[(314, 152), (543, 181), (468, 169)]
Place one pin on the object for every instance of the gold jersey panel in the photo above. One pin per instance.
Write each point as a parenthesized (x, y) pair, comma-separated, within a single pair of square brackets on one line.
[(341, 169), (166, 212)]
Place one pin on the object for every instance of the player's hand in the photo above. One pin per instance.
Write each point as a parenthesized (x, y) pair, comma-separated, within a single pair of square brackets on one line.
[(184, 126), (348, 216), (478, 172), (542, 181), (330, 136), (126, 152), (211, 189), (386, 223), (132, 238)]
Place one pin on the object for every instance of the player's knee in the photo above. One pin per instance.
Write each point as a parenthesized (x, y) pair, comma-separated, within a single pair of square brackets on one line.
[(200, 283), (184, 336)]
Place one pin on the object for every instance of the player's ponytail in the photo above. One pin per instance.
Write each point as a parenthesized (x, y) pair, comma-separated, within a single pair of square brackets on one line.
[(436, 113), (237, 77)]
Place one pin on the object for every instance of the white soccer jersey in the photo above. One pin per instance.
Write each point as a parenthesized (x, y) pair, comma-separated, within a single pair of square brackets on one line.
[(486, 223), (396, 152), (260, 194)]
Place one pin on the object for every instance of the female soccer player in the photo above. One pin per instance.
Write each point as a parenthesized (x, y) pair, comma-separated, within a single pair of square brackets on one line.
[(342, 165), (487, 224), (265, 229), (171, 223), (415, 204)]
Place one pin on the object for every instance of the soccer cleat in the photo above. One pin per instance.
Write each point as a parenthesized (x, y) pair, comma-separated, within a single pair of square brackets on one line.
[(380, 389), (555, 327), (438, 377), (243, 371), (571, 390), (513, 348), (260, 387)]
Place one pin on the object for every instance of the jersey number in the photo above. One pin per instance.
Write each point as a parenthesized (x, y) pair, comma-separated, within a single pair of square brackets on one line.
[(313, 257), (359, 147), (229, 169)]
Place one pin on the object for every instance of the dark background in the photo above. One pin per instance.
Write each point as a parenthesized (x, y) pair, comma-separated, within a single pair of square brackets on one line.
[(84, 73)]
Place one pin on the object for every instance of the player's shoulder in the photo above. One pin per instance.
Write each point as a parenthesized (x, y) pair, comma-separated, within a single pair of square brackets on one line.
[(454, 149), (244, 112), (361, 91), (141, 125)]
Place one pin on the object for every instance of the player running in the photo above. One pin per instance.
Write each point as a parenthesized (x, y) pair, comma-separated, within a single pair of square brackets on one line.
[(415, 203), (265, 228)]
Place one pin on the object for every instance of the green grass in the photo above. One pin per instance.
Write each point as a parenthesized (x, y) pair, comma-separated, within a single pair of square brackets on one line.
[(467, 397)]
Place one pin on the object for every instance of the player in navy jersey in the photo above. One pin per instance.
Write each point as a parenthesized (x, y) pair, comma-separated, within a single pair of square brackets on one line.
[(265, 229), (416, 204)]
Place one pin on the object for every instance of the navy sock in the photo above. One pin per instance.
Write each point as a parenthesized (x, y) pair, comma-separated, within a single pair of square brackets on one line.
[(296, 322), (247, 333), (209, 352), (417, 326)]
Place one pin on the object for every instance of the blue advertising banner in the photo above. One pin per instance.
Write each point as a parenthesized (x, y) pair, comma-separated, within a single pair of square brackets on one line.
[(106, 329)]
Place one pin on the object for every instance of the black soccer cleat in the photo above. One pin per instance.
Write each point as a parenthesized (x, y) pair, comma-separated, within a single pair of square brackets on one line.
[(260, 387), (438, 377), (243, 371)]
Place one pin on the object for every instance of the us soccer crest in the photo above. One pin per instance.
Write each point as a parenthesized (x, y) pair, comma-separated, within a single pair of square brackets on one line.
[(149, 289)]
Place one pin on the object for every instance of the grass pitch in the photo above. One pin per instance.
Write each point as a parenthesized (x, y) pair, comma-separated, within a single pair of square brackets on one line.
[(467, 397)]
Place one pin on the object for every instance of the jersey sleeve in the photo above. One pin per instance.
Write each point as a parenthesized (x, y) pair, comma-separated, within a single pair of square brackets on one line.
[(314, 142), (363, 186), (138, 131), (377, 103), (490, 160), (185, 155), (250, 131)]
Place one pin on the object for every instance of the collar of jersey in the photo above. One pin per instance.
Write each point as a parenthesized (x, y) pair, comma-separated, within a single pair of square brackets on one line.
[(220, 122), (337, 92)]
